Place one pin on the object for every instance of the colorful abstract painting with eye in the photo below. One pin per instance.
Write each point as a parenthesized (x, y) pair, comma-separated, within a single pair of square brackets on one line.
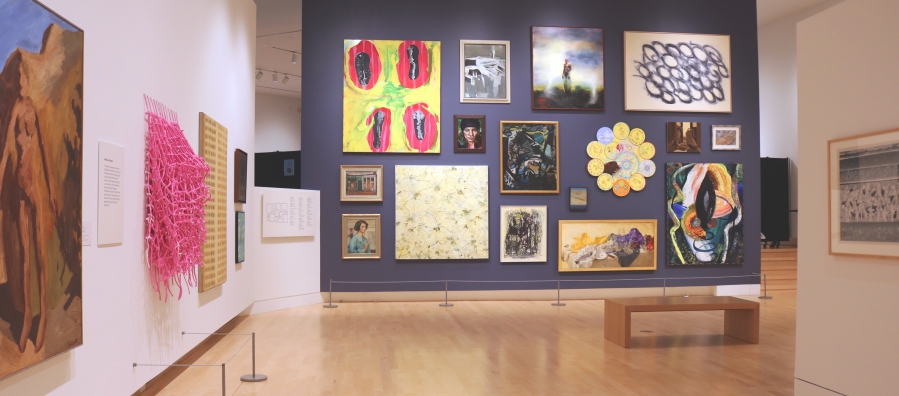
[(705, 214)]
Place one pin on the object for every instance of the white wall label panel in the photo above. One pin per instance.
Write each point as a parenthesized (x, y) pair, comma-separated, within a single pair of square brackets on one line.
[(110, 204), (289, 213)]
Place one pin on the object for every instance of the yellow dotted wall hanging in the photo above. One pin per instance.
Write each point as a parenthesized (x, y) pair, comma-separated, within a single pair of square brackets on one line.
[(621, 159)]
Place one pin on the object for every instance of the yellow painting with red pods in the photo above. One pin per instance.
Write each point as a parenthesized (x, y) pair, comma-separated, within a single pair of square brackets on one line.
[(391, 96)]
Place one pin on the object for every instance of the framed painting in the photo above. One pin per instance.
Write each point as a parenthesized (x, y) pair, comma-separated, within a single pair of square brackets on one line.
[(484, 70), (567, 71), (240, 176), (522, 234), (607, 245), (469, 132), (240, 229), (41, 172), (529, 161), (361, 236), (361, 183), (683, 137), (391, 96), (677, 72), (577, 199), (442, 212), (704, 214), (726, 137), (863, 180)]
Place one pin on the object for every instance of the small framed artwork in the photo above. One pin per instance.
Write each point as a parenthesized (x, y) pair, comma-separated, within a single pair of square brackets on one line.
[(863, 217), (577, 199), (726, 137), (677, 72), (361, 183), (484, 71), (683, 137), (361, 236), (567, 70), (240, 176), (523, 234), (529, 159), (470, 133), (240, 227), (607, 245)]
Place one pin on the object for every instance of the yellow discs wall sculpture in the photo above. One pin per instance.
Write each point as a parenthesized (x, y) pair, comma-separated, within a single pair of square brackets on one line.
[(621, 159)]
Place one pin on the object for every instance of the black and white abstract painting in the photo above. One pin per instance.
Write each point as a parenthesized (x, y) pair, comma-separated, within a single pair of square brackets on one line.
[(484, 71), (677, 72)]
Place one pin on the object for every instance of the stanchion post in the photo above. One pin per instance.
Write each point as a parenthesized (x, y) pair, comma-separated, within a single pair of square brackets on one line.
[(254, 377), (664, 287), (223, 380), (446, 302), (559, 302), (765, 281), (330, 294)]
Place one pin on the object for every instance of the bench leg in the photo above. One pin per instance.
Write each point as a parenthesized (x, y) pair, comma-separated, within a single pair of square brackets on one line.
[(617, 326), (742, 324)]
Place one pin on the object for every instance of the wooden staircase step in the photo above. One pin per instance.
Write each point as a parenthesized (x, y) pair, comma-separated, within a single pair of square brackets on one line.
[(780, 275), (779, 255), (781, 284), (778, 265)]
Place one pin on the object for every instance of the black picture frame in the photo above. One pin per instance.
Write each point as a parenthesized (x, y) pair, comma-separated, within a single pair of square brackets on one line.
[(240, 176)]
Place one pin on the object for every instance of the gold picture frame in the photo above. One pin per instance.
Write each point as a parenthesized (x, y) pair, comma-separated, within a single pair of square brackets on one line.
[(542, 162), (361, 236), (361, 183), (608, 245)]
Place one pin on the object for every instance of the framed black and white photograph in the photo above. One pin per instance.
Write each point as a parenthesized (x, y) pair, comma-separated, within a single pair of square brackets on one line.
[(726, 137), (484, 71), (677, 72)]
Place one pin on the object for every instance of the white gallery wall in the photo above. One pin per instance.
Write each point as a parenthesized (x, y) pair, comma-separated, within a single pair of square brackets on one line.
[(847, 307), (277, 123), (194, 56)]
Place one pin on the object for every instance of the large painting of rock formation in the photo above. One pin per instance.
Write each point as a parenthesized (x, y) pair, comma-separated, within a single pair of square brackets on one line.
[(41, 97)]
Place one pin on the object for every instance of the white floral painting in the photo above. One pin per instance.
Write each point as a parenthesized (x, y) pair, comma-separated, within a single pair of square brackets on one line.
[(442, 212)]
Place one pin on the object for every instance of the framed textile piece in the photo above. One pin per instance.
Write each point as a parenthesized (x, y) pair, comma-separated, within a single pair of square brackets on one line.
[(214, 148), (567, 71), (529, 161), (607, 245), (705, 214), (391, 96), (362, 183), (484, 67), (361, 236), (522, 234), (863, 195)]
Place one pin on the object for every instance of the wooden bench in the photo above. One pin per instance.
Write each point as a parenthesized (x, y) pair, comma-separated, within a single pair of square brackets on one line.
[(741, 317)]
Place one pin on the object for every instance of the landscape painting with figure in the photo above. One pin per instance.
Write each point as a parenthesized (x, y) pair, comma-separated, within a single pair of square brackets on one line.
[(869, 194), (485, 71), (567, 68), (41, 136), (523, 234)]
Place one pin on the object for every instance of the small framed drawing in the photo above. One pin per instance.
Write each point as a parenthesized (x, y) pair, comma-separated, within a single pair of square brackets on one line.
[(529, 159), (523, 234), (577, 199), (726, 137), (607, 245), (361, 236), (469, 133), (361, 183), (240, 176), (683, 137), (484, 67), (863, 217), (240, 229)]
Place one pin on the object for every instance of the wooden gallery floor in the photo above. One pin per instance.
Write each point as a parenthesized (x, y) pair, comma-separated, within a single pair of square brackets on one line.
[(493, 348)]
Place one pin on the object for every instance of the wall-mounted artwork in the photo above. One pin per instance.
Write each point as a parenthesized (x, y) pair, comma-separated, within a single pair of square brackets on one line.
[(726, 137), (442, 212), (607, 245), (484, 70), (469, 132), (677, 72), (362, 183), (683, 137), (529, 161), (567, 70), (240, 176), (577, 199), (41, 137), (621, 159), (240, 229), (863, 186), (213, 149), (361, 236), (391, 96), (705, 214), (522, 234)]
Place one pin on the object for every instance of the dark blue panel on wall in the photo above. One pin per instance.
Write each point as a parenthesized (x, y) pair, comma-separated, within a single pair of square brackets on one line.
[(327, 24)]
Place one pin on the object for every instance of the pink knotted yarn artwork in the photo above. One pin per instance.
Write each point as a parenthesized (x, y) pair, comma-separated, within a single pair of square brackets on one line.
[(174, 183)]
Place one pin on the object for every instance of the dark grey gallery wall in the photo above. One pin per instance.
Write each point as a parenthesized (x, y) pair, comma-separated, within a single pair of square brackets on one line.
[(327, 23)]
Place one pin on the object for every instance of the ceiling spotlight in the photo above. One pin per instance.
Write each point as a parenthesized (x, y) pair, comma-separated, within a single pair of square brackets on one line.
[(258, 75), (285, 80), (274, 77), (293, 57)]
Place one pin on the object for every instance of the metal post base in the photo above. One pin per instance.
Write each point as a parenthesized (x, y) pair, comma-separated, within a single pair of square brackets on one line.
[(331, 306), (765, 297), (253, 377), (446, 305), (558, 304)]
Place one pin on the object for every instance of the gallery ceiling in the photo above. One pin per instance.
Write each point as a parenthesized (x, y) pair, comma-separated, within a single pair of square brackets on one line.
[(279, 35), (772, 10)]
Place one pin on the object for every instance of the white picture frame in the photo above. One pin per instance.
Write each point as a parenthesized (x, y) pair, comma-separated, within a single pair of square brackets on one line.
[(484, 71), (727, 137)]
